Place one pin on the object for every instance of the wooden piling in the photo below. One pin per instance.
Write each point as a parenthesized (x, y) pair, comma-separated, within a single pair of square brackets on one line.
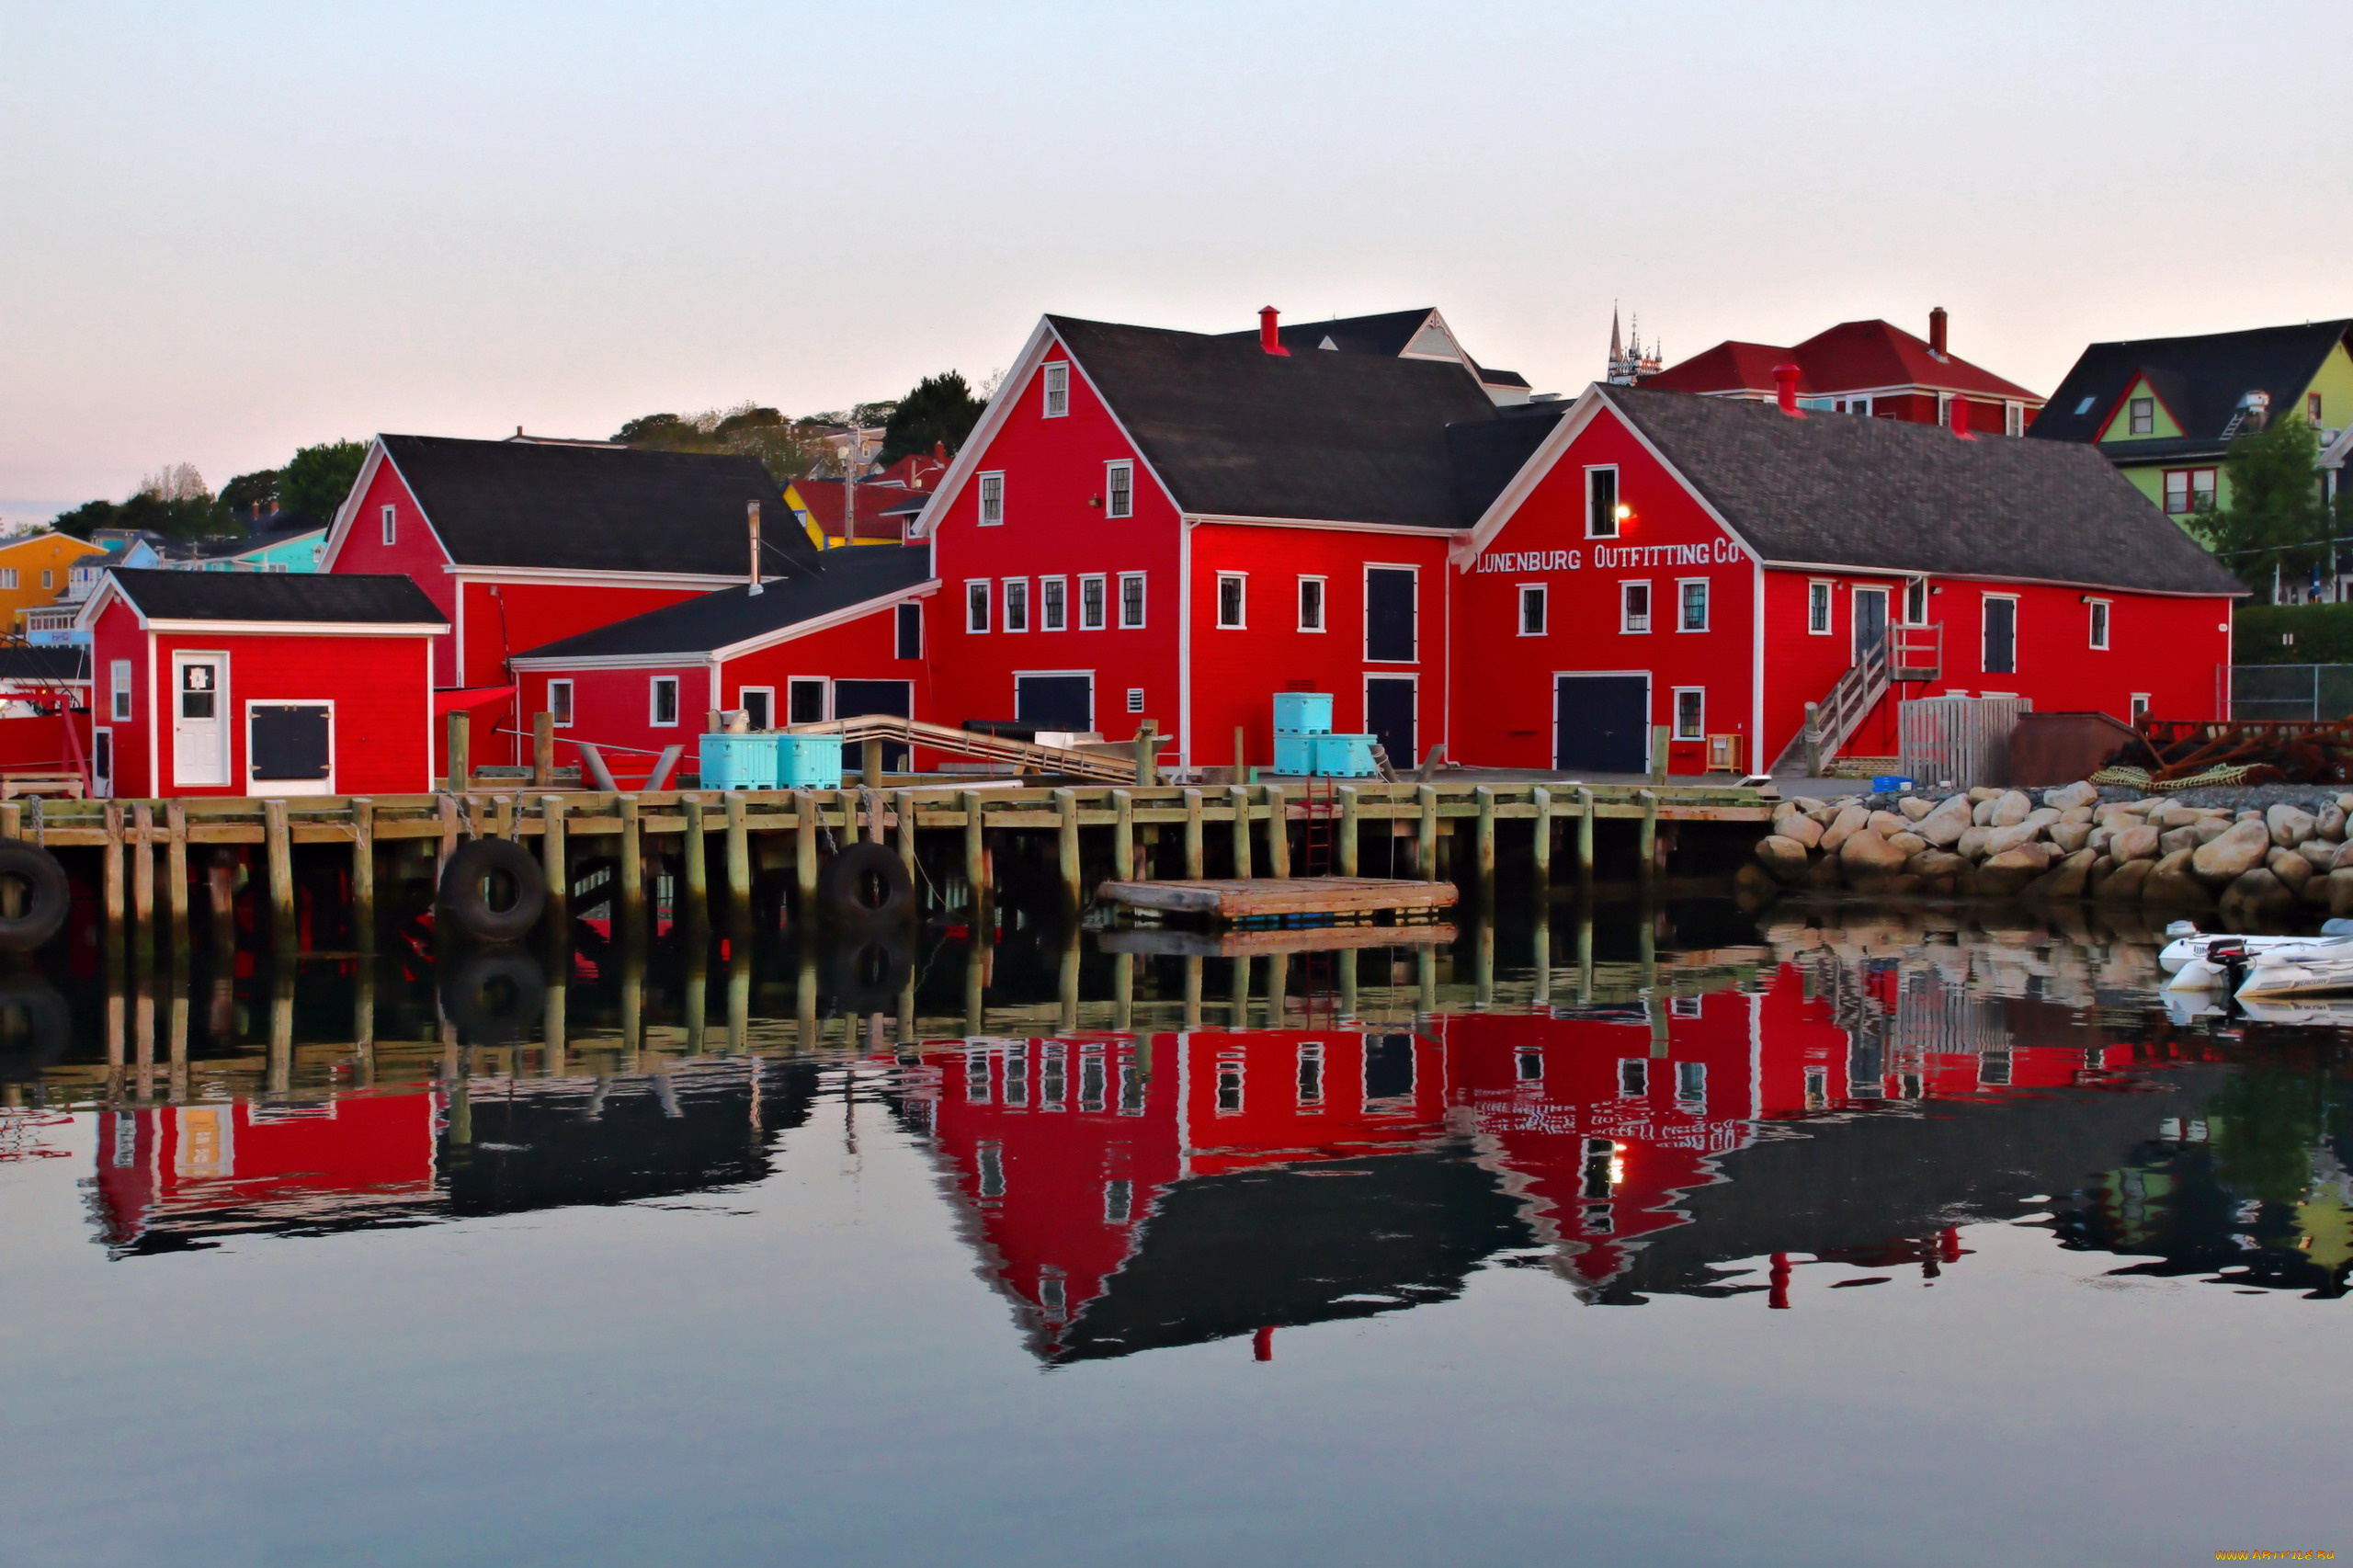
[(738, 997), (544, 750), (175, 873), (12, 819), (1539, 943), (1238, 1007), (1066, 843), (1658, 754), (1066, 984), (870, 765), (1193, 855), (1584, 836), (976, 968), (111, 875), (1541, 799), (1646, 845), (553, 1034), (1147, 755), (142, 880), (739, 863), (1348, 844), (696, 855), (1123, 833), (278, 843), (632, 867), (555, 862), (1277, 832), (460, 752), (904, 804), (1240, 768), (1426, 844), (1485, 799), (976, 870), (804, 853), (363, 873), (1240, 796)]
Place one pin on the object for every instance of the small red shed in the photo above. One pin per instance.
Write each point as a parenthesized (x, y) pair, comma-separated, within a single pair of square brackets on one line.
[(261, 684)]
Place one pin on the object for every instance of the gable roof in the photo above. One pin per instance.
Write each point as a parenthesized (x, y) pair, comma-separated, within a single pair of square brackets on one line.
[(352, 598), (839, 580), (2201, 380), (1855, 356), (1388, 334), (1234, 431), (591, 507), (1894, 496)]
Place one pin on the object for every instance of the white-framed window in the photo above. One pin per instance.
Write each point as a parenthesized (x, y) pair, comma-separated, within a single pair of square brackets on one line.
[(8, 576), (1861, 405), (2013, 419), (1310, 1075), (391, 520), (1055, 380), (1916, 601), (1233, 600), (118, 684), (1633, 1076), (1817, 608), (1093, 599), (560, 703), (1692, 604), (1634, 607), (1690, 1081), (1017, 603), (910, 631), (1531, 609), (1310, 604), (47, 578), (1053, 604), (1119, 490), (976, 604), (2141, 417), (759, 703), (2139, 706), (2098, 609), (804, 700), (662, 701), (1602, 510), (992, 499), (1131, 601), (1690, 713)]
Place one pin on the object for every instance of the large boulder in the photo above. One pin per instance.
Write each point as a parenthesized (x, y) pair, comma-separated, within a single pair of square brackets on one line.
[(2123, 884), (2174, 839), (2064, 883), (2134, 843), (1944, 825), (2231, 854), (2289, 825), (2256, 898), (1972, 844), (2292, 870), (2011, 809), (2344, 857), (1866, 855), (1914, 807), (1851, 820), (2002, 840), (2209, 829), (1805, 803), (2172, 883), (2331, 822), (1885, 823), (1910, 843), (1985, 792), (2340, 893), (1783, 856), (2070, 837), (2079, 793), (1933, 865), (2005, 874), (1803, 828), (2321, 853)]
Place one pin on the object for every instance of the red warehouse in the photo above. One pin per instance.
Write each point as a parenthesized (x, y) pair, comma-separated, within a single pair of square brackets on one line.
[(840, 635), (523, 543), (1714, 565), (261, 684), (1176, 526)]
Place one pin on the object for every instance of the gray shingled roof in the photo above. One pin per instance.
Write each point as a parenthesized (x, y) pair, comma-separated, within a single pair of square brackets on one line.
[(355, 597), (1835, 490), (838, 579), (2201, 380), (46, 661), (598, 508), (1234, 430)]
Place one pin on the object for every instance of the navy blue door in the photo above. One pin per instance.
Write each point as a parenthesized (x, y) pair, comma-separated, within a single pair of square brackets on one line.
[(1389, 716), (1601, 724)]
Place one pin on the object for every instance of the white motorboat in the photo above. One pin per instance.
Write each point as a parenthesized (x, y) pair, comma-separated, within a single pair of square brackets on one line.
[(2185, 957), (2319, 972)]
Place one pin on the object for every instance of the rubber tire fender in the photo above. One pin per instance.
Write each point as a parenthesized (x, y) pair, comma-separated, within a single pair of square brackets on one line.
[(47, 896), (461, 903), (48, 1029), (863, 976), (855, 870), (494, 995)]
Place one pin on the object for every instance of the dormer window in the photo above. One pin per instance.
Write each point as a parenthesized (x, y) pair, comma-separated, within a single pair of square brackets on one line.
[(2141, 417), (1057, 394)]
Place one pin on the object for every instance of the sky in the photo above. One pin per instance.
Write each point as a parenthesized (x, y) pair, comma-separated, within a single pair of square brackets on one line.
[(230, 230)]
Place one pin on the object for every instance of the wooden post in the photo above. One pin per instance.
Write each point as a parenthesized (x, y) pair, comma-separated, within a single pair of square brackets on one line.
[(1348, 844), (870, 765), (175, 872), (1277, 978), (363, 872), (279, 843), (12, 819), (1147, 763), (1584, 951), (1193, 834), (1238, 1014), (739, 997), (976, 973), (1486, 797), (1484, 977), (111, 875), (1813, 734), (1240, 796), (739, 863), (1277, 832), (1539, 944), (697, 979), (448, 807), (1066, 984), (1240, 768), (1123, 833), (221, 897), (976, 868), (555, 862), (543, 751), (904, 802), (1584, 836), (1193, 990), (1426, 846), (1647, 847), (1123, 992), (461, 751), (552, 1025), (1541, 799), (1344, 964), (143, 879), (804, 853), (1067, 807), (633, 867), (698, 866), (1658, 754)]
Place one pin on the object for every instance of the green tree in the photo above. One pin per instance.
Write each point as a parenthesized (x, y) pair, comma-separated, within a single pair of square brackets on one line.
[(941, 410), (315, 481), (786, 448), (2276, 521), (245, 492)]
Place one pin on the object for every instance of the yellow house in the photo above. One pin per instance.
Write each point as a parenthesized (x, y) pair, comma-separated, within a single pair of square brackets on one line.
[(33, 571)]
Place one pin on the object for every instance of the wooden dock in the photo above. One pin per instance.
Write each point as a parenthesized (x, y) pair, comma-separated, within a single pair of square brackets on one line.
[(1234, 899), (1274, 941)]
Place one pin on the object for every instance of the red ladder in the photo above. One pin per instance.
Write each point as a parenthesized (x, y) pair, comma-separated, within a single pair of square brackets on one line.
[(1323, 811)]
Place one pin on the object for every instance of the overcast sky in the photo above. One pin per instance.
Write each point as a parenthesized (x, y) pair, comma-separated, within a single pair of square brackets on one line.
[(228, 230)]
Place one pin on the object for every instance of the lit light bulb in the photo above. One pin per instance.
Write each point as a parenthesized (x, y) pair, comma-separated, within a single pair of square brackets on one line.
[(1624, 511)]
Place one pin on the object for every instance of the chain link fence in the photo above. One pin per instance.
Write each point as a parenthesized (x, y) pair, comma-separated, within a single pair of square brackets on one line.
[(2291, 692)]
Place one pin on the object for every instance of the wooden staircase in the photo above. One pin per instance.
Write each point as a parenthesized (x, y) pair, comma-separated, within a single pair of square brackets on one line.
[(1906, 654)]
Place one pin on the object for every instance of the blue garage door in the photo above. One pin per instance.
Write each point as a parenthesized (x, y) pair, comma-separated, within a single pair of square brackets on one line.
[(1055, 702), (1601, 724)]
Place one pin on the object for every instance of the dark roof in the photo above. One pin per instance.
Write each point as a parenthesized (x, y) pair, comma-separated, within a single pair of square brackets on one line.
[(834, 579), (355, 597), (1840, 491), (597, 508), (1488, 452), (46, 661), (2201, 380), (1234, 430), (1493, 378), (1385, 335)]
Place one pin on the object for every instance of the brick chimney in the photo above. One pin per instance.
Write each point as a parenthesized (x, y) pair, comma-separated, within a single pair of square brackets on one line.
[(1785, 381), (1936, 332), (1269, 333)]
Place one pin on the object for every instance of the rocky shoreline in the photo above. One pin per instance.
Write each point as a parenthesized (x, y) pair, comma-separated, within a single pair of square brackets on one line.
[(2254, 865)]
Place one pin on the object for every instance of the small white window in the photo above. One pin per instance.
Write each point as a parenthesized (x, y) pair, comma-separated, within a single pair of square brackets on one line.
[(1531, 609), (1091, 602), (1916, 602), (119, 679), (1634, 607), (1057, 384), (2141, 417), (1310, 604), (47, 578), (665, 701), (1131, 601), (1233, 600), (1602, 511), (1633, 1076), (1691, 604), (8, 576), (2139, 706), (1053, 604), (1017, 603), (2013, 419), (1119, 490), (1690, 713), (2099, 623), (560, 703), (992, 499), (976, 605), (759, 703), (1817, 608), (391, 525)]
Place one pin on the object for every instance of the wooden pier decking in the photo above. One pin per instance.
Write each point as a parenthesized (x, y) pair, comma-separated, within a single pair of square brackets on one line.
[(1236, 899)]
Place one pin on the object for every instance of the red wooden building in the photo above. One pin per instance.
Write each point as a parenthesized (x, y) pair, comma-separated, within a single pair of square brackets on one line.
[(261, 684)]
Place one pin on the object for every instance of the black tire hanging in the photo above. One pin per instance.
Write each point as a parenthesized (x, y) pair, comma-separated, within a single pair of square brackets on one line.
[(494, 995), (27, 1049), (865, 975), (864, 885), (464, 900), (47, 895)]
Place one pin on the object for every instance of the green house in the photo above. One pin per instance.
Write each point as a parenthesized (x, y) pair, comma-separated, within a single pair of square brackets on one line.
[(2164, 409)]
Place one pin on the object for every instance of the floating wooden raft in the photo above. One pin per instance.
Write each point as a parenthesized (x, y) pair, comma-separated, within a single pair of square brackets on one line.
[(1260, 941), (1279, 898)]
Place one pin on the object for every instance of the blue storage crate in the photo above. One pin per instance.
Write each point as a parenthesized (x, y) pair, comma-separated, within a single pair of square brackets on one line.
[(1343, 757), (1889, 783), (1301, 714), (808, 762), (1294, 755), (739, 762)]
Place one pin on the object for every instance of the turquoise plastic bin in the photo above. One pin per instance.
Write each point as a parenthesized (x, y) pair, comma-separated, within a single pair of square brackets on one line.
[(1343, 757), (1294, 755), (739, 762), (1301, 714), (808, 762)]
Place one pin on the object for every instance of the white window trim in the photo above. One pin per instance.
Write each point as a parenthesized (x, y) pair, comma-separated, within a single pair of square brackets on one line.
[(980, 499), (981, 601), (1675, 713), (824, 698), (1650, 615), (1617, 494), (563, 721), (119, 692), (1111, 491), (1053, 385), (1146, 606), (1044, 600), (653, 702), (1323, 603), (1103, 581), (2135, 705), (1241, 601), (1829, 592), (1015, 588), (2100, 628), (742, 692), (8, 576), (1707, 602), (391, 520), (1369, 568), (1904, 600), (1544, 611), (1982, 600), (1855, 619)]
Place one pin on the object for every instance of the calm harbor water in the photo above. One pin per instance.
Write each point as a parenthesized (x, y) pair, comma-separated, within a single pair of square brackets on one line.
[(1827, 1235)]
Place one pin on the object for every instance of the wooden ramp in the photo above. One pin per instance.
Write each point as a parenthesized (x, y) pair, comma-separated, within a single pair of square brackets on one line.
[(1280, 898), (1254, 943), (1091, 765)]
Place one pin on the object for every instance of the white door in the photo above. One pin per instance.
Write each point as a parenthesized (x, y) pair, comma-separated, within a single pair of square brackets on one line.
[(199, 735)]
